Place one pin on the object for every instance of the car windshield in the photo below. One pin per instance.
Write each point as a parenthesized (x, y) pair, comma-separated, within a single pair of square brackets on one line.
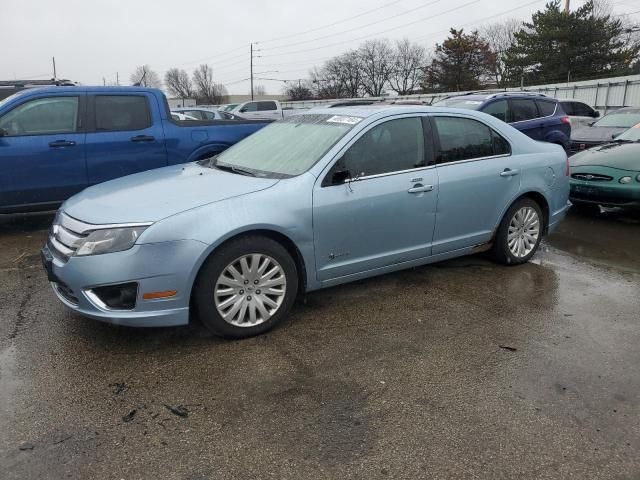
[(288, 147), (619, 119), (631, 135), (460, 102)]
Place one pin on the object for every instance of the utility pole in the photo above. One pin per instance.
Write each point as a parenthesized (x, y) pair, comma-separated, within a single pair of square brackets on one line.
[(117, 79), (104, 82), (251, 71), (54, 68), (566, 6)]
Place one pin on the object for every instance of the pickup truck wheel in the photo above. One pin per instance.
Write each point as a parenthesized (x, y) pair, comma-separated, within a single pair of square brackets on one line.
[(519, 233), (246, 287)]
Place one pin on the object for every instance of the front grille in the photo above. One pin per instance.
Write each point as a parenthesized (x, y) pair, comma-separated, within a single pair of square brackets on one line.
[(591, 177), (575, 147), (65, 235), (64, 290)]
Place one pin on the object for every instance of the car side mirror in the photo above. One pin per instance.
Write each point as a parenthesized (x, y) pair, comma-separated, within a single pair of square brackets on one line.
[(596, 114), (243, 109), (3, 133), (590, 124)]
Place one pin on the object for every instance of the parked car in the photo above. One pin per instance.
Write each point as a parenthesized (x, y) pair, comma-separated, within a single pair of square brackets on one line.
[(579, 112), (608, 174), (605, 129), (56, 141), (315, 200), (205, 113), (536, 115), (181, 116), (260, 110)]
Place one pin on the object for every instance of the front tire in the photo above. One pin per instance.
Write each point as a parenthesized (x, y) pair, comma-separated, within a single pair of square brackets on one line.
[(519, 233), (246, 287)]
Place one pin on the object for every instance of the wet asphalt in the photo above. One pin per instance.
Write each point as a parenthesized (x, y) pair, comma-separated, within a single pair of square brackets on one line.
[(463, 369)]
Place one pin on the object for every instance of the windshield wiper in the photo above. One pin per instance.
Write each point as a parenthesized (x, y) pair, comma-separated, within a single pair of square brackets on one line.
[(238, 170)]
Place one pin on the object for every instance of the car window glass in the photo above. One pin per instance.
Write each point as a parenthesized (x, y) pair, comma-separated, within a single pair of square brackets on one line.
[(546, 107), (498, 109), (462, 139), (500, 145), (567, 107), (523, 110), (209, 115), (121, 113), (582, 110), (197, 114), (251, 107), (392, 146), (265, 106), (42, 116)]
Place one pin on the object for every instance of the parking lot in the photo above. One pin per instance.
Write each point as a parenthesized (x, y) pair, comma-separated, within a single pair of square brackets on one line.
[(463, 369)]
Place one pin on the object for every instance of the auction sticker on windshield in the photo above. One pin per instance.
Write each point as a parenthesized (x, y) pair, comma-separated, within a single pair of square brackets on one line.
[(344, 119)]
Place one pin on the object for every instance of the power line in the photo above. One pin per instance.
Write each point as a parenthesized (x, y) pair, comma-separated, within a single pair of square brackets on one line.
[(356, 28), (377, 33), (331, 24)]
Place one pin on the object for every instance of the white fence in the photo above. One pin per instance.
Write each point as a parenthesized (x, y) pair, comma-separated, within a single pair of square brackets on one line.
[(604, 94)]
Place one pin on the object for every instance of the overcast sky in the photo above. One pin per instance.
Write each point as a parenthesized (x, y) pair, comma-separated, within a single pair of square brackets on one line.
[(94, 39)]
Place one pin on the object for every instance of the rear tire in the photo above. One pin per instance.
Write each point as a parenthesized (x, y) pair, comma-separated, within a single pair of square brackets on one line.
[(519, 233), (246, 287)]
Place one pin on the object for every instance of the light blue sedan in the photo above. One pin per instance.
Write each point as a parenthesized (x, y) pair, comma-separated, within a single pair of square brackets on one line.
[(316, 200)]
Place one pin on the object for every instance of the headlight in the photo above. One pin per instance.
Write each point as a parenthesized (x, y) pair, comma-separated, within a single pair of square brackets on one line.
[(625, 180), (109, 240), (638, 178)]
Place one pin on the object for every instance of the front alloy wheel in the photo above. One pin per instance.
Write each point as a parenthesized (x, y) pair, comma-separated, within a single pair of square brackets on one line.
[(246, 287), (250, 290)]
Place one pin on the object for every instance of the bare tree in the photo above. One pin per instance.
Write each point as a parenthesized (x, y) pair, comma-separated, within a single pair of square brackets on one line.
[(376, 58), (409, 61), (350, 71), (259, 90), (299, 91), (143, 76), (500, 36), (207, 91), (178, 83), (327, 80)]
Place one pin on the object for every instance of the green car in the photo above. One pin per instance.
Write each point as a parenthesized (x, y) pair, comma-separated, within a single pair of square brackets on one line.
[(609, 174)]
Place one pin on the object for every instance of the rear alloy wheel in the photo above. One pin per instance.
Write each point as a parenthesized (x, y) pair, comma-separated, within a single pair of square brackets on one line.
[(246, 287), (519, 234)]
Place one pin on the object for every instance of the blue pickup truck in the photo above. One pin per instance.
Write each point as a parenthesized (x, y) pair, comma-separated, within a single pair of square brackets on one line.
[(56, 141)]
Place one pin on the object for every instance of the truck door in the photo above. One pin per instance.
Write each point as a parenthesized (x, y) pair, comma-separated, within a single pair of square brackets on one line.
[(125, 136), (42, 151)]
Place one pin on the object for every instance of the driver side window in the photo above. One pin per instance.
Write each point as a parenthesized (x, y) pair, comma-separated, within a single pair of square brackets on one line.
[(42, 116), (392, 146)]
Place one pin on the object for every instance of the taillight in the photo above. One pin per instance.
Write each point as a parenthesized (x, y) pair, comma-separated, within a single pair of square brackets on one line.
[(566, 120)]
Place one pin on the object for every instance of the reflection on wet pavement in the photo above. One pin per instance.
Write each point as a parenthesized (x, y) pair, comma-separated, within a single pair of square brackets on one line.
[(463, 369)]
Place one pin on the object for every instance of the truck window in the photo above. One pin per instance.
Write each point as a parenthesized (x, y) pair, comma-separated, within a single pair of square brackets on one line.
[(266, 106), (42, 116), (250, 107), (122, 113)]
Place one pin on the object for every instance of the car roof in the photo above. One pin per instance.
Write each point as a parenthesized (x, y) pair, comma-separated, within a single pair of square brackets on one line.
[(365, 111)]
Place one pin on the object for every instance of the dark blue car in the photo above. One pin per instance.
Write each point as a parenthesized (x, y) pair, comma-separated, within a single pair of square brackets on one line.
[(534, 114)]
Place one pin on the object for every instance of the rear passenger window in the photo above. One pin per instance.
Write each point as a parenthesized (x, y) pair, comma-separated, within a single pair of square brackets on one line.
[(465, 139), (498, 109), (546, 108), (265, 106), (523, 110), (582, 110), (392, 146), (122, 113)]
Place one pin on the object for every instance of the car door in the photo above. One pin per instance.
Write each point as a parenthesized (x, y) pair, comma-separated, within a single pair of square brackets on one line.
[(124, 136), (478, 178), (523, 115), (376, 204), (42, 154), (268, 110), (249, 111)]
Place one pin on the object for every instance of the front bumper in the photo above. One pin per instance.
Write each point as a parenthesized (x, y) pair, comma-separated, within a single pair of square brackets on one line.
[(156, 267)]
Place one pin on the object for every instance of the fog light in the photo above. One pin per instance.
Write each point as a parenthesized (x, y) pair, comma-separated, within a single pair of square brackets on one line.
[(625, 180), (115, 297), (638, 178)]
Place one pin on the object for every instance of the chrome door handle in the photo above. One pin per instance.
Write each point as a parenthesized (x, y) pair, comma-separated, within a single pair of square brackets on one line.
[(507, 172), (420, 188)]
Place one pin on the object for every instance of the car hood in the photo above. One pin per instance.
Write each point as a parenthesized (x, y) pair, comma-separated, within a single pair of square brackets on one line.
[(625, 156), (156, 194), (595, 134)]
